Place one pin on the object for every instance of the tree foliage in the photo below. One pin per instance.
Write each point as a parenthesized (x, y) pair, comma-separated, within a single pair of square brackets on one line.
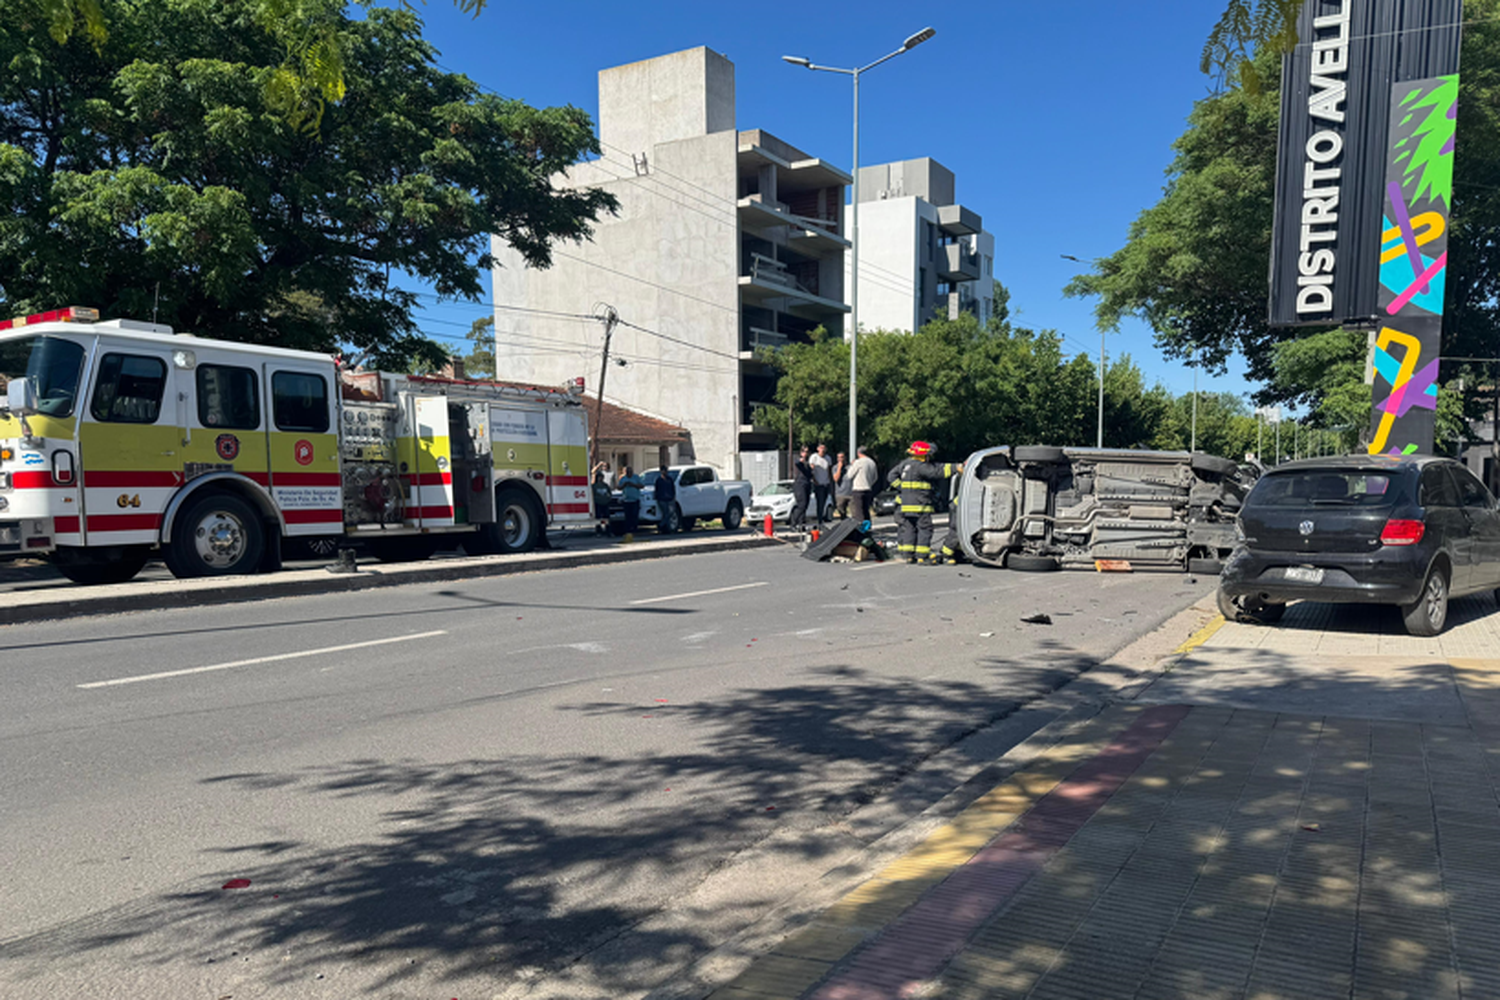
[(1245, 28), (966, 386), (155, 163)]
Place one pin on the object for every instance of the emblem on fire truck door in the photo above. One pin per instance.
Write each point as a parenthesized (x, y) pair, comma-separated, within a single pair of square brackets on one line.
[(302, 451), (228, 446)]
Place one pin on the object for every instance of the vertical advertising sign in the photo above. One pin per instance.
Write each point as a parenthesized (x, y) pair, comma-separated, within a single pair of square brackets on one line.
[(1413, 264), (1349, 126)]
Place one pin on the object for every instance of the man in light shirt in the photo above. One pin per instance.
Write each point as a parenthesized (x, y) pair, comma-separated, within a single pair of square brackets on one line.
[(822, 470), (863, 475)]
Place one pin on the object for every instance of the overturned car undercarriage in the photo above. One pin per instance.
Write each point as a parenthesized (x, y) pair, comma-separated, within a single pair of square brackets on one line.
[(1041, 508)]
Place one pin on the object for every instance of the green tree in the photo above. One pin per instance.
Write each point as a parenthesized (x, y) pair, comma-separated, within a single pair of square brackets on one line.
[(1245, 28), (480, 361), (152, 163)]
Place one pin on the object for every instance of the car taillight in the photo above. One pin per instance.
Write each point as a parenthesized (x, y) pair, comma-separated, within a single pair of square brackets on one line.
[(1399, 532)]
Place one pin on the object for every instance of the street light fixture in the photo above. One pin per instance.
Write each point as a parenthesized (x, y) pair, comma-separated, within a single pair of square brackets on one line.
[(911, 42), (1099, 440)]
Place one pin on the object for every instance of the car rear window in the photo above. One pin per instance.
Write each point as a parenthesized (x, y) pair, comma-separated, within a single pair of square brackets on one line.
[(1346, 488)]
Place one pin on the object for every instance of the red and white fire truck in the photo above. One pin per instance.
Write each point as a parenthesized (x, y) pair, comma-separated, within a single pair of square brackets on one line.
[(121, 439)]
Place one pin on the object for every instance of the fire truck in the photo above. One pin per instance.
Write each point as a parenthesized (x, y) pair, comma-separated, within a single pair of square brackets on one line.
[(121, 440)]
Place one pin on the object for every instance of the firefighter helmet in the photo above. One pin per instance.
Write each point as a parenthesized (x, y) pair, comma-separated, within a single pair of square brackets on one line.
[(921, 449)]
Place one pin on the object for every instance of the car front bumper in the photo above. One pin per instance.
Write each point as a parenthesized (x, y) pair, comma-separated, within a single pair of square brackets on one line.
[(1390, 575)]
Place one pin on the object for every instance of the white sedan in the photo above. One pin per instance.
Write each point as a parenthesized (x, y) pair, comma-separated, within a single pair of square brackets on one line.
[(777, 499)]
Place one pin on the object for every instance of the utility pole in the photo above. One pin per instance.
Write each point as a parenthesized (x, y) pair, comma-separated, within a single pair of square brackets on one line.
[(1260, 428), (1278, 436), (605, 314), (1194, 445)]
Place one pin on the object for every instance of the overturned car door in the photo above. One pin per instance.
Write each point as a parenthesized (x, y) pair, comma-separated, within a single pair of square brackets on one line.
[(1041, 508)]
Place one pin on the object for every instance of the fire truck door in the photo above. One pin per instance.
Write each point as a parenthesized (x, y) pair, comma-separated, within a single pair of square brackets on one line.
[(568, 472), (304, 448), (131, 439), (430, 472)]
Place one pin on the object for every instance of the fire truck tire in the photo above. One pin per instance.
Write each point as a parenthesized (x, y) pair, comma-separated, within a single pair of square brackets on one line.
[(215, 534), (403, 548), (518, 523), (90, 567)]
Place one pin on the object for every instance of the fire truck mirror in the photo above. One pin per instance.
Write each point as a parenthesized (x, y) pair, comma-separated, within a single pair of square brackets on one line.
[(20, 396)]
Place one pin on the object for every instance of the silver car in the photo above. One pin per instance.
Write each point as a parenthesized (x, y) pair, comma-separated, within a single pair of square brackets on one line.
[(1040, 508)]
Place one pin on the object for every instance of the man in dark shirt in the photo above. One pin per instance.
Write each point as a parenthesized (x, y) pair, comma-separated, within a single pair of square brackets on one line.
[(802, 487), (665, 489)]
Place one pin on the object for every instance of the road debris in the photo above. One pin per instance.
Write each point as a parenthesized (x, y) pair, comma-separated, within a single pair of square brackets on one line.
[(1037, 619)]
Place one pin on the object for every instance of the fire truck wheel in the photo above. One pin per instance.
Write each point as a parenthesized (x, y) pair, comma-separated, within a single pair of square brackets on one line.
[(215, 534), (518, 523), (114, 564)]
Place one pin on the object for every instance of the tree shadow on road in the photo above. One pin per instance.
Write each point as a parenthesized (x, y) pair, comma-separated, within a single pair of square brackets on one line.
[(490, 867)]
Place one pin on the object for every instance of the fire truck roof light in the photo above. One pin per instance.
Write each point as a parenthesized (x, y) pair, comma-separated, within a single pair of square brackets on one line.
[(72, 314)]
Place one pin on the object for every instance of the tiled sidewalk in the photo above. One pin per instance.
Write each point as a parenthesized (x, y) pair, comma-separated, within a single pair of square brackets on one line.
[(1203, 852)]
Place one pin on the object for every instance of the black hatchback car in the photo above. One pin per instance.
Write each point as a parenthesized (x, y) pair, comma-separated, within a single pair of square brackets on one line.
[(1411, 531)]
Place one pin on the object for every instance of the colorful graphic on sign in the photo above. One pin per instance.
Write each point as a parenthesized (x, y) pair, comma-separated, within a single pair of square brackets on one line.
[(1413, 264)]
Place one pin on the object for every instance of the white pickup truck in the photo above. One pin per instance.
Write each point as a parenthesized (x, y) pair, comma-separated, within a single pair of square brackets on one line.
[(701, 495)]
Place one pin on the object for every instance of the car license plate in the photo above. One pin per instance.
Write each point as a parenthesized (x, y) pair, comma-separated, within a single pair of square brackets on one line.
[(1301, 574)]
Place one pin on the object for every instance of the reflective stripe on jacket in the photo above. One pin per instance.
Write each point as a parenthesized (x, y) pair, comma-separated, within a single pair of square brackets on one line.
[(914, 482)]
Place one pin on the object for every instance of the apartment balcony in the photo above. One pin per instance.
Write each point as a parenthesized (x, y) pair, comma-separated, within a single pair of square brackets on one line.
[(809, 236), (956, 263), (955, 220), (770, 285)]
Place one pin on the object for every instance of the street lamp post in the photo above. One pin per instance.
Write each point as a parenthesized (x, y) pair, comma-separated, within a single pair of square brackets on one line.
[(911, 43), (1099, 438)]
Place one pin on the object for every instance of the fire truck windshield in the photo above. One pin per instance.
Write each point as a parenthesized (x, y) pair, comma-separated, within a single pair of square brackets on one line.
[(53, 364)]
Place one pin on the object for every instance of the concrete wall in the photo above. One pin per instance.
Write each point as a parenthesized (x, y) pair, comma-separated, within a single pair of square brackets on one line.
[(923, 178), (666, 263), (888, 263), (677, 96)]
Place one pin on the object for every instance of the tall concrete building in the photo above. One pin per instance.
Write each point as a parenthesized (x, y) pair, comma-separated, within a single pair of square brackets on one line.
[(921, 254), (726, 241)]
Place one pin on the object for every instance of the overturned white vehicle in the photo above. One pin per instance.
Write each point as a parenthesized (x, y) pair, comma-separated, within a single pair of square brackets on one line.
[(1040, 508)]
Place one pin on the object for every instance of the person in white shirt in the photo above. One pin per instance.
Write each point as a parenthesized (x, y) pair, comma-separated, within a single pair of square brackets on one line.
[(822, 470), (863, 476)]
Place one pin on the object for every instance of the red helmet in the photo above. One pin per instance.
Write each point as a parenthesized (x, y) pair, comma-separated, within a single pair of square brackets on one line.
[(921, 449)]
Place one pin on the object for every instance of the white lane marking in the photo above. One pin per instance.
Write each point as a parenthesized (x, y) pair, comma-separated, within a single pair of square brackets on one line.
[(699, 593), (259, 659), (877, 565), (587, 647), (697, 637)]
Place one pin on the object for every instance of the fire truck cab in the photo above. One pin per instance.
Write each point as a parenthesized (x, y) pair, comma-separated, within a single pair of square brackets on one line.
[(120, 440)]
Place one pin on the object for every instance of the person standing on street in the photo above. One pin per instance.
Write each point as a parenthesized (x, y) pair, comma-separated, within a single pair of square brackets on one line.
[(843, 486), (862, 476), (915, 479), (630, 495), (822, 471), (665, 490), (602, 497), (802, 481)]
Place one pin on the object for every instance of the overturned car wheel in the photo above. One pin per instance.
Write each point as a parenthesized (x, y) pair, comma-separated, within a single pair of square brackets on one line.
[(1025, 562)]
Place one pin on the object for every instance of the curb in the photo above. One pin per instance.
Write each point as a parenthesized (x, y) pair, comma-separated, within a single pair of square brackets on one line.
[(303, 583)]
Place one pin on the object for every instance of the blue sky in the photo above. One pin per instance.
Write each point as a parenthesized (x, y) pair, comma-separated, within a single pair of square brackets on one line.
[(1056, 117)]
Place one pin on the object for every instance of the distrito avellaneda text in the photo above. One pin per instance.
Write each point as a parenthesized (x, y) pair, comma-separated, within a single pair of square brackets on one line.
[(1327, 93)]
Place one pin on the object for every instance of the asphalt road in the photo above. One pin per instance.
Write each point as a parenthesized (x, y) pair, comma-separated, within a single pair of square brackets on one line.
[(459, 790)]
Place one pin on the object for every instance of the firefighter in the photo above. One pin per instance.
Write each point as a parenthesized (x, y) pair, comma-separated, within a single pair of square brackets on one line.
[(915, 479)]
